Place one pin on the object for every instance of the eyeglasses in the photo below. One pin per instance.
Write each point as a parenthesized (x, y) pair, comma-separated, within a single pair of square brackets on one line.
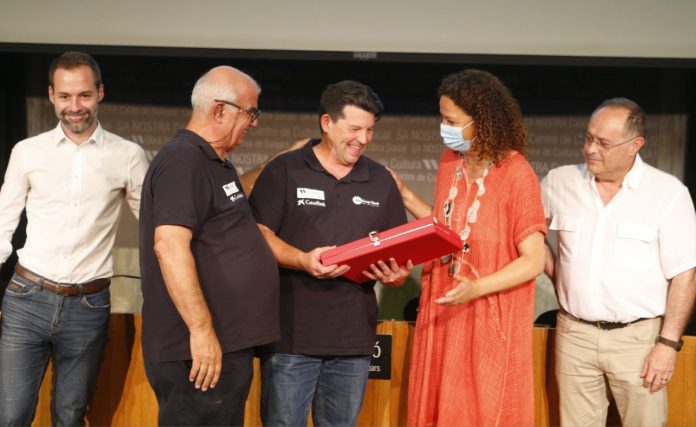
[(587, 139), (253, 113)]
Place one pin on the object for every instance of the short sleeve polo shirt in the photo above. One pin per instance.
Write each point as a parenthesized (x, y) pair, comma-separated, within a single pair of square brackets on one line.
[(190, 186), (307, 207)]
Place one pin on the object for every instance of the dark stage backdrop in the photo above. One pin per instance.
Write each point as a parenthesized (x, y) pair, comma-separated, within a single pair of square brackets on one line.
[(147, 99)]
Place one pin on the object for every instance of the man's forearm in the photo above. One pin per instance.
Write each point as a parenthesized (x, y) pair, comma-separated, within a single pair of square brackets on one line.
[(173, 249), (680, 301), (285, 254)]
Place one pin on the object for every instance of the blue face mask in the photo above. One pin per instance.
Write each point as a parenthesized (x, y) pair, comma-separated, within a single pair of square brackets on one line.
[(453, 138)]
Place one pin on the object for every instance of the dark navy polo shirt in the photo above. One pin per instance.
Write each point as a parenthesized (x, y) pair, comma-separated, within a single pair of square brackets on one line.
[(307, 207), (187, 184)]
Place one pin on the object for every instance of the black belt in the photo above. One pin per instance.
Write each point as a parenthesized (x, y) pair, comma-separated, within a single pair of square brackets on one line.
[(63, 289), (603, 325)]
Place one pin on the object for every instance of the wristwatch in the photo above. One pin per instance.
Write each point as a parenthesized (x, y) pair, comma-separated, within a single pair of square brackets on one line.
[(677, 345)]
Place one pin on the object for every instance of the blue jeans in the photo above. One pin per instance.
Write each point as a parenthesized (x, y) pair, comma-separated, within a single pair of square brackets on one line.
[(335, 387), (38, 324)]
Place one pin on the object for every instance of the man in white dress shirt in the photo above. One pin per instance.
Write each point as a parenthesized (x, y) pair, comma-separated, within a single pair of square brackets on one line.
[(624, 273), (72, 181)]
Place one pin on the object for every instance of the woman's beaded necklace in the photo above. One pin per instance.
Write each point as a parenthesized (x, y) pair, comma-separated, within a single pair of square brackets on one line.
[(471, 213)]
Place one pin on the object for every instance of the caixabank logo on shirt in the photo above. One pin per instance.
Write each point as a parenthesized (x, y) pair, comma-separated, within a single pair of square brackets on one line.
[(232, 191), (364, 202), (310, 197)]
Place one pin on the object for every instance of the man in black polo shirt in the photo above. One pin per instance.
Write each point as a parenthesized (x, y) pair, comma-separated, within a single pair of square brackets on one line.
[(210, 282), (305, 201)]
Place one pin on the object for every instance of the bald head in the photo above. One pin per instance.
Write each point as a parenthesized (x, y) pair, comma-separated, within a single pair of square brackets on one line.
[(223, 83), (635, 116), (225, 106)]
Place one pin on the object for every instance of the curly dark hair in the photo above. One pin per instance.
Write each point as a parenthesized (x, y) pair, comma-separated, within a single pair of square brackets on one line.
[(496, 113)]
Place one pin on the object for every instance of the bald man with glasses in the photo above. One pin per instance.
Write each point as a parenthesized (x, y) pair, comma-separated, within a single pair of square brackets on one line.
[(624, 273)]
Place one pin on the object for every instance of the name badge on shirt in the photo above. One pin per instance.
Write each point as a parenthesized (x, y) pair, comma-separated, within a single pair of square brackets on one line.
[(309, 193), (310, 197), (232, 191)]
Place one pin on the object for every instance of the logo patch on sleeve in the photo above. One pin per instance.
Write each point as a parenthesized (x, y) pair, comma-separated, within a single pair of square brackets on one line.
[(230, 188), (232, 191)]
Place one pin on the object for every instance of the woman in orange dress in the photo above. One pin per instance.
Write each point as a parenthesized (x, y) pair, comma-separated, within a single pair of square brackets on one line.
[(472, 352)]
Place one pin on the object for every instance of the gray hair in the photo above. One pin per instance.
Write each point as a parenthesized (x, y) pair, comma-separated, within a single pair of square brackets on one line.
[(207, 90)]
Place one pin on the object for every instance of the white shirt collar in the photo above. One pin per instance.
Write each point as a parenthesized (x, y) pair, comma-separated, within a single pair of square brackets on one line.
[(635, 175), (631, 180), (97, 137)]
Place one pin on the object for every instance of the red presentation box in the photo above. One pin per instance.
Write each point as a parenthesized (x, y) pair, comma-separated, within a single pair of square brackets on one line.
[(419, 241)]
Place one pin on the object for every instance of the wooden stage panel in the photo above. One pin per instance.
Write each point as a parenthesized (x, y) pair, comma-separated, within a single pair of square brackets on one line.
[(124, 397)]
